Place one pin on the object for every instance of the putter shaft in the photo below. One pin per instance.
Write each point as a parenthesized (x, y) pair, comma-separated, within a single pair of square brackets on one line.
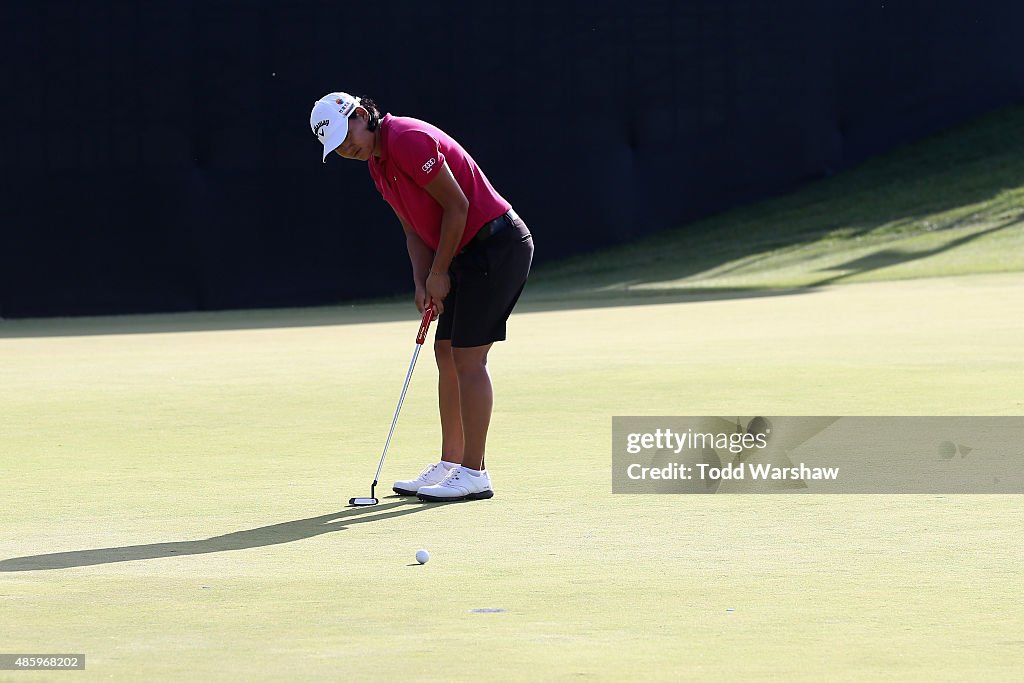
[(421, 336)]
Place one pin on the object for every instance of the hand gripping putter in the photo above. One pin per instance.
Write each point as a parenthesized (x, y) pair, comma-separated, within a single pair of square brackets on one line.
[(421, 336)]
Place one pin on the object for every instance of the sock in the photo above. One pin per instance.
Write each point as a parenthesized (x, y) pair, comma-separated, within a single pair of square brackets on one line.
[(475, 473), (449, 466)]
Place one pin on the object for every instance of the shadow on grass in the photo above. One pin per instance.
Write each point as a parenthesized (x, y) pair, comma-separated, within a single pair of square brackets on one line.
[(886, 258), (379, 311), (611, 289), (650, 296), (601, 287), (275, 534)]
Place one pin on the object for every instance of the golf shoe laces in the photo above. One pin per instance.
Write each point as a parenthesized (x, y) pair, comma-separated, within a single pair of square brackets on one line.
[(452, 476), (428, 469)]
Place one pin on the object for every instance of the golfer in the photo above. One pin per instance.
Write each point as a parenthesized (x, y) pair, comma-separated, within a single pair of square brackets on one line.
[(470, 256)]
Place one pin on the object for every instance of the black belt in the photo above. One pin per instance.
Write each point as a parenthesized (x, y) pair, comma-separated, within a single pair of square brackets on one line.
[(494, 227)]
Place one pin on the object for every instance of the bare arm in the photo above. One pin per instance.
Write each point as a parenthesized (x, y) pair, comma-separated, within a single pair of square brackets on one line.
[(421, 257), (455, 208)]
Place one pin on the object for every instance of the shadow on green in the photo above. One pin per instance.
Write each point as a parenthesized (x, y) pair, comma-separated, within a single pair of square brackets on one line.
[(275, 534), (887, 258)]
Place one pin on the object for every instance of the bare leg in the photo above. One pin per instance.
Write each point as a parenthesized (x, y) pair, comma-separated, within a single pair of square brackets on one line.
[(476, 399), (452, 440)]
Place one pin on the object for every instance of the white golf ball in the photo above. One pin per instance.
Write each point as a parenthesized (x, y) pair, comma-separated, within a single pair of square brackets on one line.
[(422, 556)]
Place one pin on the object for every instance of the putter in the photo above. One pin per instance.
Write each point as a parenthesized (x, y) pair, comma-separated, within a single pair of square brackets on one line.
[(421, 336)]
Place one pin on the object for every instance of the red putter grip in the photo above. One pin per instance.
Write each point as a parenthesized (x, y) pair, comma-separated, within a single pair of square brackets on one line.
[(428, 314)]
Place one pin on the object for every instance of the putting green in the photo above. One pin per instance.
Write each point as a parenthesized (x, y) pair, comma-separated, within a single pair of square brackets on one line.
[(174, 492)]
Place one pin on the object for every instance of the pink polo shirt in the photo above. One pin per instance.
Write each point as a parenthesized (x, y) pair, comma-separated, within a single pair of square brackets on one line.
[(412, 153)]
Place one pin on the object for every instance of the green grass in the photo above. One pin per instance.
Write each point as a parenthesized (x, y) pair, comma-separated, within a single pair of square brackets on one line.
[(174, 486), (179, 499)]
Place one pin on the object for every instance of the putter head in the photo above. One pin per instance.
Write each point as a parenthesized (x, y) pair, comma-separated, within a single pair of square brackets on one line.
[(362, 501)]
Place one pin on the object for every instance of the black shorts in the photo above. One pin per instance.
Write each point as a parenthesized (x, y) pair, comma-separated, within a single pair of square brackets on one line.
[(487, 277)]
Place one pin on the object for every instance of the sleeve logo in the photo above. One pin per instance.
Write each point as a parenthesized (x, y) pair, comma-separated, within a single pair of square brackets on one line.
[(429, 165)]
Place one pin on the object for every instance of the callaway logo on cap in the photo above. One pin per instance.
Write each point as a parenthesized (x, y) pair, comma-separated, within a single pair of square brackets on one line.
[(329, 119)]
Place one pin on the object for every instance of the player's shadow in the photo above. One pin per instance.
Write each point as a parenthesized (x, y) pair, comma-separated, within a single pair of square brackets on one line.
[(286, 532)]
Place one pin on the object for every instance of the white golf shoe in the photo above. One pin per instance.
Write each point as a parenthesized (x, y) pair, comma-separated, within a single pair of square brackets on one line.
[(458, 485), (431, 474)]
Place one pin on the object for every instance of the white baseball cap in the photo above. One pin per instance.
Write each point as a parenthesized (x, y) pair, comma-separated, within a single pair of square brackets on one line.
[(329, 119)]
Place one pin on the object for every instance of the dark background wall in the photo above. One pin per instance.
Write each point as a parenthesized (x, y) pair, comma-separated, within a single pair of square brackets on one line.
[(157, 154)]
